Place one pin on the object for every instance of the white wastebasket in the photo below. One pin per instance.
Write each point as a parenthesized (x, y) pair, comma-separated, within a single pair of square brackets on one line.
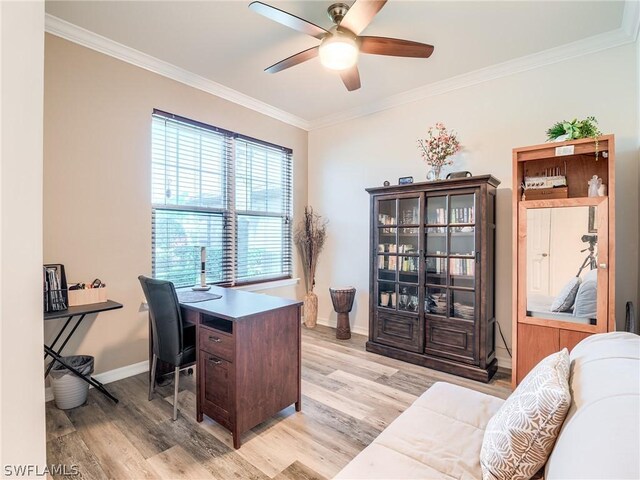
[(69, 391)]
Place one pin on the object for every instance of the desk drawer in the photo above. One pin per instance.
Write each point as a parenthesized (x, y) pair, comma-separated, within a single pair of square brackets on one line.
[(215, 387), (216, 342)]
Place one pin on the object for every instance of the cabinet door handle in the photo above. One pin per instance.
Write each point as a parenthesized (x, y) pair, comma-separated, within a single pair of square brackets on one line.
[(215, 361), (214, 339)]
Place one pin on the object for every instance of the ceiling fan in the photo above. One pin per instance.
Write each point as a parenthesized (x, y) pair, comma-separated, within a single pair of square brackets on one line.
[(340, 45)]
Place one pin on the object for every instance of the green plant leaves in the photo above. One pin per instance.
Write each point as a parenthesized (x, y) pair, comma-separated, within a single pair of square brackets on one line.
[(575, 129)]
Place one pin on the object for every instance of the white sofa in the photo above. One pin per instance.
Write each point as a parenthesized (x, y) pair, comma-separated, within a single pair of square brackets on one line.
[(440, 435)]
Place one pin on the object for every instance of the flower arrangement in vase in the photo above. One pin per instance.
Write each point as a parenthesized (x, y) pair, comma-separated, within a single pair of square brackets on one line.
[(309, 238), (438, 147)]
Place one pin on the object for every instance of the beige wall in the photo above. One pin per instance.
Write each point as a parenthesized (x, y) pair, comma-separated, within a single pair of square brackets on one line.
[(491, 119), (22, 437), (97, 210)]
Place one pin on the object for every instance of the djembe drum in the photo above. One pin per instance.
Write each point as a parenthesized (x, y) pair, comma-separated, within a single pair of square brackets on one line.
[(342, 299)]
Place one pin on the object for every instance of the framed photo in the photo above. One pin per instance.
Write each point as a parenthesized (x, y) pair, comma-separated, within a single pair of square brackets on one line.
[(405, 180)]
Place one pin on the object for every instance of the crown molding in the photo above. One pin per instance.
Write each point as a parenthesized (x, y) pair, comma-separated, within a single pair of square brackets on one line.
[(593, 44), (86, 38)]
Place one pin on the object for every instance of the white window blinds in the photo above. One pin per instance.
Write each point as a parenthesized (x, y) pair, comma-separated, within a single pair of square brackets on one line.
[(223, 191)]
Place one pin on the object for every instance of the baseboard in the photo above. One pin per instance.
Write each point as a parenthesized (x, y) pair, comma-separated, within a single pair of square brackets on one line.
[(504, 360), (333, 324), (110, 376)]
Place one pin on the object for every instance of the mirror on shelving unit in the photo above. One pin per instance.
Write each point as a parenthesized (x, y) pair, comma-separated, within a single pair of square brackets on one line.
[(562, 263)]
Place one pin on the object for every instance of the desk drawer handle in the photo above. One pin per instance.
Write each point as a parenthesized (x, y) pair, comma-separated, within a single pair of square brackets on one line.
[(215, 361), (215, 339)]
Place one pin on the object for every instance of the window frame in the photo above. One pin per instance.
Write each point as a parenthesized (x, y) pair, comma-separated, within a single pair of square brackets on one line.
[(229, 211)]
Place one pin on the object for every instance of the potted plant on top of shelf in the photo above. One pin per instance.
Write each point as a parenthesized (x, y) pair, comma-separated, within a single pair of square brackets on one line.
[(574, 130), (309, 238)]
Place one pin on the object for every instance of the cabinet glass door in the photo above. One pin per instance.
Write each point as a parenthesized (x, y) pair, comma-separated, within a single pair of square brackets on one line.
[(450, 260), (398, 253)]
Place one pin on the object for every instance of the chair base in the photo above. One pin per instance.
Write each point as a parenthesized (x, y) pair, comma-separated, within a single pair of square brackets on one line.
[(176, 381)]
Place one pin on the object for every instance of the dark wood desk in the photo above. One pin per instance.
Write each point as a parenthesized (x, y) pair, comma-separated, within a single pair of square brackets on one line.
[(248, 357), (81, 312)]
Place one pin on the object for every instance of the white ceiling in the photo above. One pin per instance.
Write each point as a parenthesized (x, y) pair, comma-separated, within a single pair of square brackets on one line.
[(227, 43)]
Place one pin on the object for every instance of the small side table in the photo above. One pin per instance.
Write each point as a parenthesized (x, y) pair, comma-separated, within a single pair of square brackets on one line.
[(342, 299)]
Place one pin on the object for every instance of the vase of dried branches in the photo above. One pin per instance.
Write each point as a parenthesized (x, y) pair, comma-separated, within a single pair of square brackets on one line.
[(309, 237), (310, 310)]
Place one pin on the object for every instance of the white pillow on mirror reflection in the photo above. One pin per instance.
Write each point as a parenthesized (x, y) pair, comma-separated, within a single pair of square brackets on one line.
[(586, 302), (564, 301)]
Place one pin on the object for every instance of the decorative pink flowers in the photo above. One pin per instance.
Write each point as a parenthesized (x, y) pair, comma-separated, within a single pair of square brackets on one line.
[(439, 145)]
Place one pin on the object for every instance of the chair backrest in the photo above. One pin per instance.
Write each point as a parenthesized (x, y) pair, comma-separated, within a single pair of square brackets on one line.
[(166, 320)]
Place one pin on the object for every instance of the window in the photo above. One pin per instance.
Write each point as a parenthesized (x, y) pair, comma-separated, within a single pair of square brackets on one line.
[(221, 190)]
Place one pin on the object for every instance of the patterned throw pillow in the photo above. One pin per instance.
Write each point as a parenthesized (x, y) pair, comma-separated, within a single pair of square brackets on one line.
[(521, 435)]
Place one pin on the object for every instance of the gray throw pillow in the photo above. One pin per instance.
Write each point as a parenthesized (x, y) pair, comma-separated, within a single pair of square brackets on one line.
[(564, 301), (586, 303)]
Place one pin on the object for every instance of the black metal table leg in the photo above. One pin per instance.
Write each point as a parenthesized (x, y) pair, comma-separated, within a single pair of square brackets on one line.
[(64, 327), (89, 379), (64, 343)]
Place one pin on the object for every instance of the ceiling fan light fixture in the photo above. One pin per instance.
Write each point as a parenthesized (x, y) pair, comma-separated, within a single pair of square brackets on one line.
[(338, 52)]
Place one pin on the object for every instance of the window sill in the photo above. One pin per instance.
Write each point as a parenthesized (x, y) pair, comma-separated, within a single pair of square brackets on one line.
[(268, 285)]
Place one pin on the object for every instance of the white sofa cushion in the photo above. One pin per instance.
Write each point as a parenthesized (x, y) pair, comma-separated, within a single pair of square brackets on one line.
[(600, 437), (438, 437), (520, 437)]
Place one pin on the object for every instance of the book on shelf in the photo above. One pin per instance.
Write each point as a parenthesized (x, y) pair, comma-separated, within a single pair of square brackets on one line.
[(392, 263), (463, 266), (463, 215)]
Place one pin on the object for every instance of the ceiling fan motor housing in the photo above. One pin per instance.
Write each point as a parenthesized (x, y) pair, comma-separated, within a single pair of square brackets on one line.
[(337, 11)]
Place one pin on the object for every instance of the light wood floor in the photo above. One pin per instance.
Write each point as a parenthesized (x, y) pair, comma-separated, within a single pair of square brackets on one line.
[(349, 397)]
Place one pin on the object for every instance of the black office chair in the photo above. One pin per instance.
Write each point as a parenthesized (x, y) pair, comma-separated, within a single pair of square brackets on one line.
[(172, 342)]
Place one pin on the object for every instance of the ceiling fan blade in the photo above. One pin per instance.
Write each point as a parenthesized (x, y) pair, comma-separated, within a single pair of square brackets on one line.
[(395, 47), (293, 60), (351, 78), (360, 14), (288, 19)]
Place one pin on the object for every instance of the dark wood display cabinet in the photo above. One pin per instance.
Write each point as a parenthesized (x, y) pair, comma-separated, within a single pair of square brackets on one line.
[(432, 275)]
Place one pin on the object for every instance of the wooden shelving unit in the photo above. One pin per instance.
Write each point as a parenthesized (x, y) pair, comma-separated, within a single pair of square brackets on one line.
[(535, 337)]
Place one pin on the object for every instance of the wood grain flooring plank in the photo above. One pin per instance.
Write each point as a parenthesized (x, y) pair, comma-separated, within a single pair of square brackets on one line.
[(324, 460), (145, 433), (70, 450), (348, 362), (117, 456), (298, 471), (408, 382), (331, 425), (383, 393), (176, 462), (58, 424), (335, 400), (267, 454), (323, 380)]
